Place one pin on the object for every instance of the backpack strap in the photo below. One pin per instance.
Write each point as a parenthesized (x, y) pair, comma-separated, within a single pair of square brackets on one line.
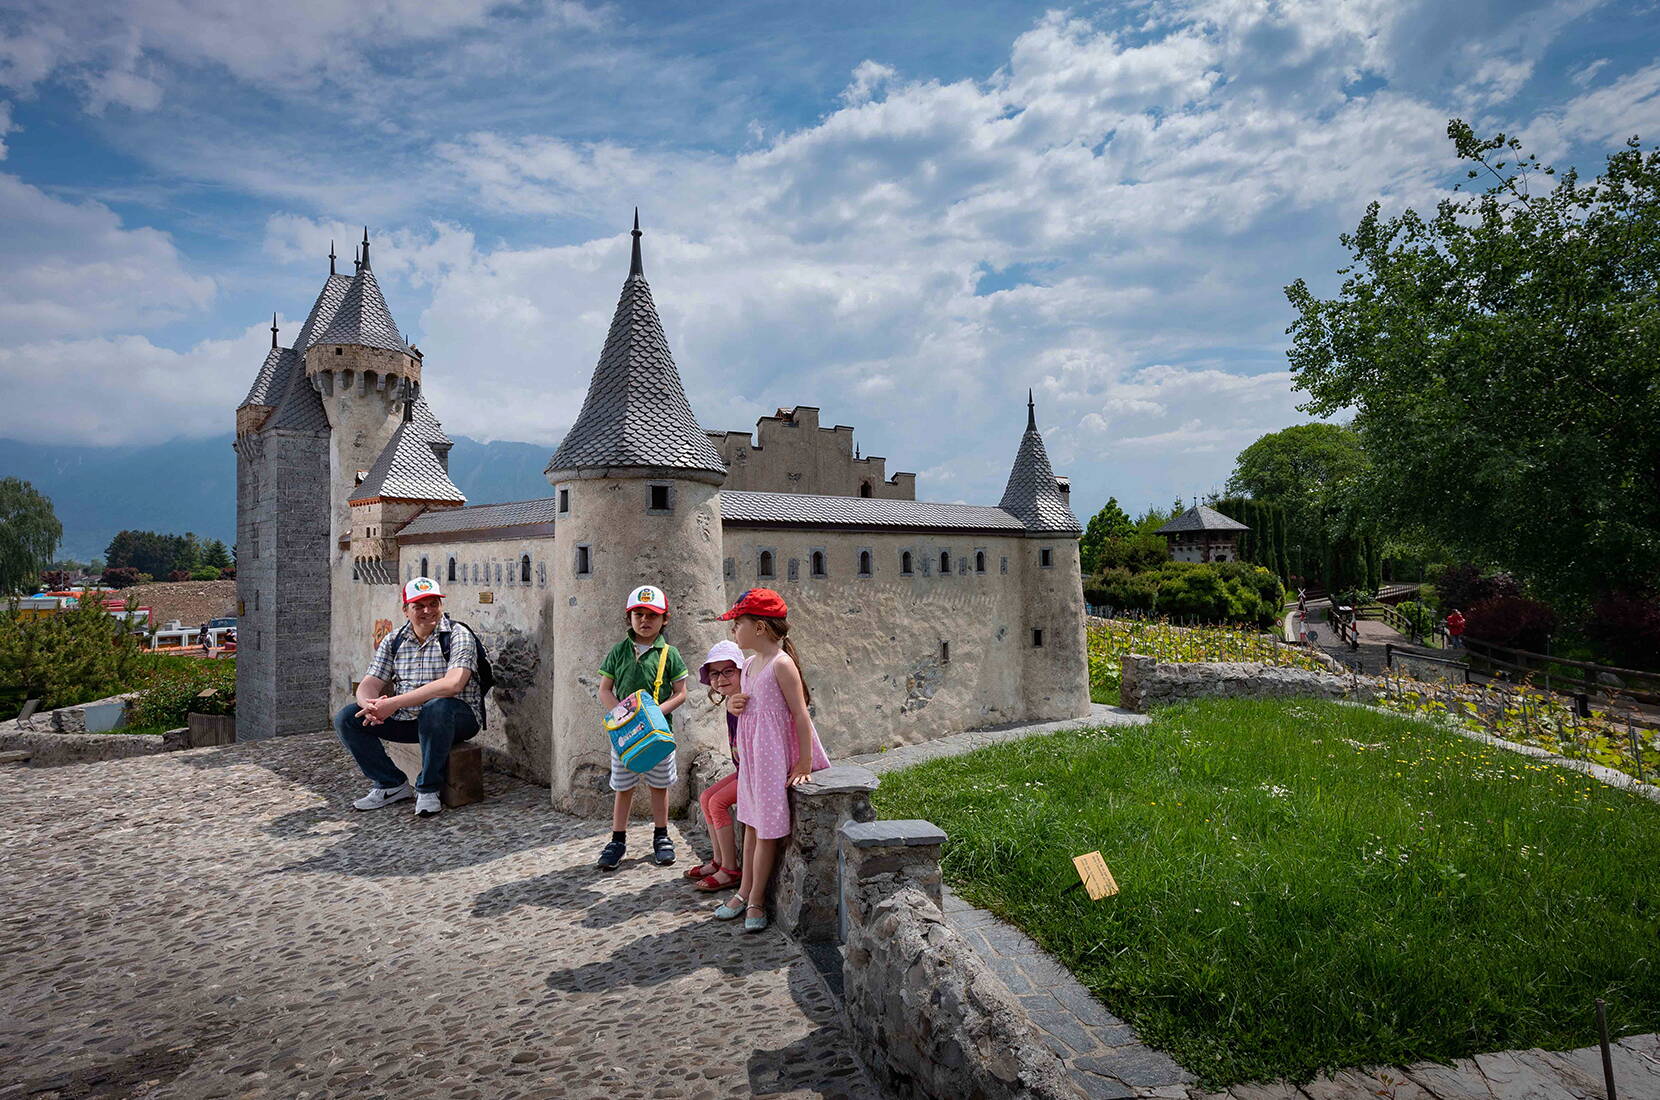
[(657, 688)]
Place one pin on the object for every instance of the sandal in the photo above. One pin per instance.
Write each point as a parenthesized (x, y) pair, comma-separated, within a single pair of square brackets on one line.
[(711, 882), (723, 911), (755, 924), (702, 870)]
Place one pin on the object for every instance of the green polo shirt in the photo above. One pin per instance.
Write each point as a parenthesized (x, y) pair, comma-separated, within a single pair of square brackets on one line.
[(630, 673)]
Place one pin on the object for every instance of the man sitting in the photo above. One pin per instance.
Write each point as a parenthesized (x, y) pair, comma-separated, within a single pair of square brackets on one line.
[(429, 665)]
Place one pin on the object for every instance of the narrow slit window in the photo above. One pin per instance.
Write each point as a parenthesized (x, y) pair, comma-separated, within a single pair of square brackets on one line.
[(945, 562), (818, 563), (864, 563), (905, 563), (450, 574), (423, 567), (1037, 638), (763, 565), (1046, 558), (564, 500), (945, 653), (979, 561), (524, 568), (584, 564)]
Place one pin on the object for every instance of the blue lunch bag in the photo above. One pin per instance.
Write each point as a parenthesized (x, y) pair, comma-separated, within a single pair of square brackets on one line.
[(639, 731)]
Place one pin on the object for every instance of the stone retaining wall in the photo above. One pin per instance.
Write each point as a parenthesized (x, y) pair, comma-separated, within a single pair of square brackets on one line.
[(929, 1019), (73, 719), (1149, 683), (51, 750)]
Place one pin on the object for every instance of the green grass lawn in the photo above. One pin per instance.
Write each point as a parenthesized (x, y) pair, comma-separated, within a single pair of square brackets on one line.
[(1308, 886)]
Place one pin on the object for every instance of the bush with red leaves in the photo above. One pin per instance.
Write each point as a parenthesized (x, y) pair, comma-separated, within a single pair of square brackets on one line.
[(1513, 621), (1463, 586), (228, 573), (1625, 628), (179, 575), (54, 580), (120, 576)]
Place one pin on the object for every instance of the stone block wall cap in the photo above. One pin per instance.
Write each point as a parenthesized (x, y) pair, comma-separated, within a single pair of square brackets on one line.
[(891, 834), (840, 779)]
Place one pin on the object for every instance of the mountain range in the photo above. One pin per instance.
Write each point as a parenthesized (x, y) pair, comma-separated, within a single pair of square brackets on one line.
[(190, 485)]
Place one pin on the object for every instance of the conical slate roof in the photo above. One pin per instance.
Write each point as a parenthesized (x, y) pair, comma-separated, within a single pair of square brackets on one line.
[(408, 469), (323, 310), (636, 412), (362, 318), (271, 383), (1031, 494), (269, 379), (1200, 518)]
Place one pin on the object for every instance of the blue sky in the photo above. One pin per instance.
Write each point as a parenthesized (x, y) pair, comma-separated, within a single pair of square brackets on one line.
[(905, 214)]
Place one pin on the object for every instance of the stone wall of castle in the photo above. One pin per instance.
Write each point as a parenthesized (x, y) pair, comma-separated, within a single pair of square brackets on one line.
[(792, 454)]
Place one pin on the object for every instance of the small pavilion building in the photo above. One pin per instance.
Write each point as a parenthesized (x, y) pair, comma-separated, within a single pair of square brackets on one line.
[(1203, 534)]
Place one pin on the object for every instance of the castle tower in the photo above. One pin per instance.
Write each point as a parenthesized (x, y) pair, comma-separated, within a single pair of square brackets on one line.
[(283, 509), (1055, 667), (637, 485)]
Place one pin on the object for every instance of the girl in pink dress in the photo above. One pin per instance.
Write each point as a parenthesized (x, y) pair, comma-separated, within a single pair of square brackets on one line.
[(776, 741)]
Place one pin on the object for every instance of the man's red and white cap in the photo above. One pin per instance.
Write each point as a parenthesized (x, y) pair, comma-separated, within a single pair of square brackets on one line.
[(422, 588), (763, 603), (650, 597)]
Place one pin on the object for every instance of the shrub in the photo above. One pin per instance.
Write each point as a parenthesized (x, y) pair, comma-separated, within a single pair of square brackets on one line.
[(175, 689), (179, 575), (121, 576), (1137, 552), (228, 573), (74, 656), (1465, 585), (1513, 621), (1122, 590), (55, 580), (1232, 591), (1422, 617), (1625, 628), (206, 573)]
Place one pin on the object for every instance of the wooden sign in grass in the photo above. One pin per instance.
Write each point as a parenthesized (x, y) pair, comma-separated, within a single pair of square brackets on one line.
[(1098, 881)]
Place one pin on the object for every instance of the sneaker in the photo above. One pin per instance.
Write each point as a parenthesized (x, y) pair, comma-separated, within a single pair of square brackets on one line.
[(662, 850), (428, 804), (383, 796), (611, 855)]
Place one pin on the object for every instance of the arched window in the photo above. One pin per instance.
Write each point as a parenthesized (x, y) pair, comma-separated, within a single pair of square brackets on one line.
[(818, 563), (450, 576), (905, 562), (764, 564), (423, 567), (864, 563), (945, 563), (864, 488), (979, 561), (524, 569)]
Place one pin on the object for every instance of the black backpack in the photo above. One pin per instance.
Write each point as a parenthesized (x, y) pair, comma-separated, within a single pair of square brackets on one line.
[(486, 677)]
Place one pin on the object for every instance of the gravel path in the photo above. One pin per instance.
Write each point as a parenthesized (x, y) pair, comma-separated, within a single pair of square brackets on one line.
[(220, 922)]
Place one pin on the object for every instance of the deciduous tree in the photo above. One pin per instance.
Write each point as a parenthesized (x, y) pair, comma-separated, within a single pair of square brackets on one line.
[(29, 534)]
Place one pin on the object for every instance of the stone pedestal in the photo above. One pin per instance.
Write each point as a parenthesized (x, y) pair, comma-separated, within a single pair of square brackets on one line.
[(804, 885), (465, 782), (880, 858)]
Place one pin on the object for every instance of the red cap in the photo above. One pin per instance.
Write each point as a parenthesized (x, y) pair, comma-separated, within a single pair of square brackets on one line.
[(761, 602)]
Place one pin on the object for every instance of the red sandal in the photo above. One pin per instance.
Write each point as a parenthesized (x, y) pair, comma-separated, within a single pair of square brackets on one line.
[(701, 871), (710, 884)]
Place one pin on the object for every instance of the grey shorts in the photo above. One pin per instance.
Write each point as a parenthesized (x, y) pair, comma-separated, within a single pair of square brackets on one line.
[(663, 775)]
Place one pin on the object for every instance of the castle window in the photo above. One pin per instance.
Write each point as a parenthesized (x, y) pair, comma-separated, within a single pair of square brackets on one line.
[(818, 563), (945, 563), (1037, 638), (584, 564), (541, 574), (728, 568), (424, 567), (905, 563), (945, 653), (763, 564), (660, 499), (256, 599), (1003, 565), (864, 563), (524, 569), (864, 488), (795, 569), (979, 561), (340, 351), (498, 572), (451, 574), (564, 501), (1046, 558)]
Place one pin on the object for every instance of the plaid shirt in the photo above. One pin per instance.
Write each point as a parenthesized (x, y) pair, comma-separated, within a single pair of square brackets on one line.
[(416, 664)]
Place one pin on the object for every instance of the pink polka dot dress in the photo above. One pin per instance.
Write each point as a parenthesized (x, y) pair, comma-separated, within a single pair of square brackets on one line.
[(768, 746)]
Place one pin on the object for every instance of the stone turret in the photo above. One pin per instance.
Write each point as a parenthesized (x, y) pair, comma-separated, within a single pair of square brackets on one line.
[(1055, 671), (411, 476), (637, 485)]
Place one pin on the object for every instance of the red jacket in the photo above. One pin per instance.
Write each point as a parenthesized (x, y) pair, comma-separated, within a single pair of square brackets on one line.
[(1455, 624)]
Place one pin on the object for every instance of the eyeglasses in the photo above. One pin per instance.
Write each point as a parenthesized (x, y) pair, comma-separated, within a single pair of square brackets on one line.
[(723, 674)]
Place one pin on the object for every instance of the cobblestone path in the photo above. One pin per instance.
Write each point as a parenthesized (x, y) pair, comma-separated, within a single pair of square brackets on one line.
[(221, 923)]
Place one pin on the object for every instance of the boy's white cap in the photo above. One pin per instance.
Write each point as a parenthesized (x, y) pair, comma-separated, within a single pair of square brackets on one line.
[(421, 588), (648, 595)]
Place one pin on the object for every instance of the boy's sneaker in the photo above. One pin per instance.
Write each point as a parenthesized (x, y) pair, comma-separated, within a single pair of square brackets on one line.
[(428, 804), (611, 855), (383, 796), (662, 850)]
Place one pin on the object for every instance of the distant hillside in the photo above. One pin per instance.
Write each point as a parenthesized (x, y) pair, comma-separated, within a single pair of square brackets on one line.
[(190, 485)]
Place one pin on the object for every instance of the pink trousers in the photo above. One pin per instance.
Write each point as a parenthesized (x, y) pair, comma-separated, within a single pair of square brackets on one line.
[(717, 802)]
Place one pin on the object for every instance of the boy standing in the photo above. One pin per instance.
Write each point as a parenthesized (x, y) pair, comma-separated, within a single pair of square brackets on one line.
[(633, 665)]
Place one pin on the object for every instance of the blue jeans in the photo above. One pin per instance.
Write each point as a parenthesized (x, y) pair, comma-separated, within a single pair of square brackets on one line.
[(440, 724)]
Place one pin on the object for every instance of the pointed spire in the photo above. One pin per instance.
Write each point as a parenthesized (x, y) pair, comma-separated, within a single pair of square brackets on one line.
[(635, 267), (636, 414), (365, 246), (331, 255), (357, 259), (1032, 495), (273, 332)]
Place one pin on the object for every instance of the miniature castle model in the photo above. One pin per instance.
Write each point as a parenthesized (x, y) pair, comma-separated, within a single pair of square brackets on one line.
[(1202, 534), (914, 619)]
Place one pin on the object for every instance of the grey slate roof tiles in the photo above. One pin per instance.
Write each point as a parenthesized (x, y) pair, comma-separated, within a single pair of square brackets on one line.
[(266, 381), (1200, 518), (323, 310), (299, 406), (427, 424), (1032, 494), (408, 469), (636, 412), (482, 517), (362, 318), (765, 509)]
